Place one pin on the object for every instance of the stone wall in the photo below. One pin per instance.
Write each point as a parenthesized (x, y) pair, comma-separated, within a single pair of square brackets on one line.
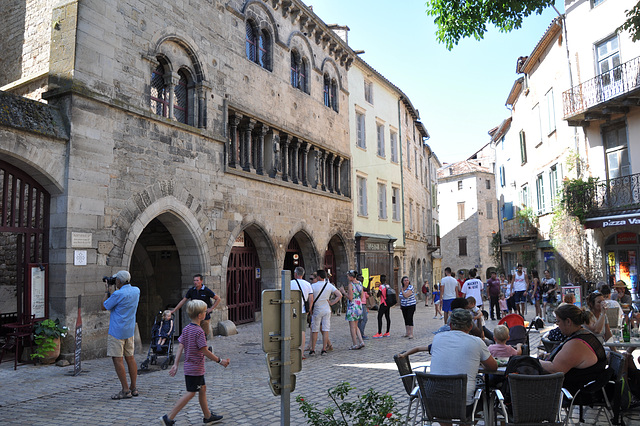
[(25, 39)]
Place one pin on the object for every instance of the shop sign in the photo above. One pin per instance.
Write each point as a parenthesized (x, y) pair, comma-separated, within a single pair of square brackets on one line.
[(614, 221), (627, 238), (370, 246)]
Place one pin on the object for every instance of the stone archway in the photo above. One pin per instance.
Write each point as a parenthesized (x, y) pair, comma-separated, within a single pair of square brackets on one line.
[(336, 260), (251, 267), (301, 252)]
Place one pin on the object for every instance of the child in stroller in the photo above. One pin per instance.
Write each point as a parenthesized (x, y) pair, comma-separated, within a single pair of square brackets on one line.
[(164, 331), (161, 341)]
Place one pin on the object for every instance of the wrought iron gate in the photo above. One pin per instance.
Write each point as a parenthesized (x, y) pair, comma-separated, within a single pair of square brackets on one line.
[(243, 285), (24, 213)]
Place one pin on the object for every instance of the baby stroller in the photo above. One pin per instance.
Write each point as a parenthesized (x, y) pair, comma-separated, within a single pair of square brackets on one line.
[(158, 331), (517, 331)]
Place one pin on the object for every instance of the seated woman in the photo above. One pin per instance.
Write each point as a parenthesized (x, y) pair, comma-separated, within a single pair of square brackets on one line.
[(599, 323), (581, 357)]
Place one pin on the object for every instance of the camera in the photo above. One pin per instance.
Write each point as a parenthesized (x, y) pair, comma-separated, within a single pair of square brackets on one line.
[(109, 280)]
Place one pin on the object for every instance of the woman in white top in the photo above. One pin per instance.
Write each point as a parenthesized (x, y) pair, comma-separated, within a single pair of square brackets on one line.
[(599, 324)]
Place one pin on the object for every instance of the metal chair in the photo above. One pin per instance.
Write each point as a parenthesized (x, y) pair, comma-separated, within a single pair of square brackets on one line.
[(592, 394), (444, 398), (535, 400), (618, 363), (409, 381), (19, 338)]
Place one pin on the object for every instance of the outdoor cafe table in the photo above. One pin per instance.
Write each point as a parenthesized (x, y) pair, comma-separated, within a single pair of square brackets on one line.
[(634, 343)]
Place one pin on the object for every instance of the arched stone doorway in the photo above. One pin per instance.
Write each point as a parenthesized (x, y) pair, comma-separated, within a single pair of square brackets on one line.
[(251, 267), (164, 257), (24, 240), (301, 252), (336, 260)]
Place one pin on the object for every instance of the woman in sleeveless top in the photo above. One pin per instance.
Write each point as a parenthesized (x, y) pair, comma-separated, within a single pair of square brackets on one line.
[(354, 309), (599, 323), (581, 357)]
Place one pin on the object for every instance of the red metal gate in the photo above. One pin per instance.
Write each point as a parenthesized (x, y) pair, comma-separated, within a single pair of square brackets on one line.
[(243, 287), (24, 212)]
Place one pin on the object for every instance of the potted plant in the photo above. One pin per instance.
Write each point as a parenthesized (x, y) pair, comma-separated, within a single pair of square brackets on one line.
[(47, 335)]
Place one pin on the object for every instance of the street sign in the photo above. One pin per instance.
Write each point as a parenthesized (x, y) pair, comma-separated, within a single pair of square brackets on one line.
[(271, 321), (274, 363)]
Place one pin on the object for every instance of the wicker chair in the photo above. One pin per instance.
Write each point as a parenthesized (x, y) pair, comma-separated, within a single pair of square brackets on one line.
[(409, 381), (535, 400), (444, 398)]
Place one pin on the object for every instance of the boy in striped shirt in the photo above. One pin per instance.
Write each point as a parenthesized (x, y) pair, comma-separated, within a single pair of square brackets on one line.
[(194, 344)]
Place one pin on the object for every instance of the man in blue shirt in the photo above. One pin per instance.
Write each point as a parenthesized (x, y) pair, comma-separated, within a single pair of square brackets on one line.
[(122, 305)]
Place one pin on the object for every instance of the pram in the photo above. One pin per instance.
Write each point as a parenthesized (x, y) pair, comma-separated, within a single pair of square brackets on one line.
[(156, 350), (517, 331)]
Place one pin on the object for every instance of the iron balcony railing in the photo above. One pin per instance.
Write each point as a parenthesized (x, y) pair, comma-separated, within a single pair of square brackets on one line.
[(603, 197), (519, 228), (613, 83)]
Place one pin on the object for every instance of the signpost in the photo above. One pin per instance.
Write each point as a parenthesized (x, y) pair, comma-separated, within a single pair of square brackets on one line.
[(76, 365), (281, 340)]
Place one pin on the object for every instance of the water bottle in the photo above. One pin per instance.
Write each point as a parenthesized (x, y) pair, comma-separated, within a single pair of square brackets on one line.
[(626, 337)]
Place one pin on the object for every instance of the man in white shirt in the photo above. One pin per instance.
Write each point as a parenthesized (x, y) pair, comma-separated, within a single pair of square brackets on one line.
[(298, 283), (321, 318), (473, 287), (448, 288), (520, 283), (457, 352)]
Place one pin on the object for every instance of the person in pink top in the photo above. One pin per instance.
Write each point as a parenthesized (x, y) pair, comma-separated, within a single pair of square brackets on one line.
[(193, 343), (500, 349)]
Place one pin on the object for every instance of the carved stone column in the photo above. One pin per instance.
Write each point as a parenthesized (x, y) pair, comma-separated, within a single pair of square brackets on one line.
[(284, 146), (171, 80), (260, 149), (232, 159), (295, 161), (329, 168), (323, 171), (338, 164), (246, 141), (305, 169), (316, 168)]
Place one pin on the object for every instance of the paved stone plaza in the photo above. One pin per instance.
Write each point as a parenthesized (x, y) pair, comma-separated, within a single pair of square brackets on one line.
[(47, 394)]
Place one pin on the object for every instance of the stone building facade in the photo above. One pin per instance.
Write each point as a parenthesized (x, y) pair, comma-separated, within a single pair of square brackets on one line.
[(420, 215), (467, 206), (208, 139)]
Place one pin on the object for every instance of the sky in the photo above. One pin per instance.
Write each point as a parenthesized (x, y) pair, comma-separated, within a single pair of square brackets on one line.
[(461, 93)]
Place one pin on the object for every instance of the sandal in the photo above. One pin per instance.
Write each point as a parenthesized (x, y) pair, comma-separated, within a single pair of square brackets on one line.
[(354, 347), (312, 352), (134, 391), (323, 352), (122, 395), (361, 345), (330, 348)]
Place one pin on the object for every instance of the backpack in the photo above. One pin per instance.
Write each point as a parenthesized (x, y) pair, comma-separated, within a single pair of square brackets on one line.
[(519, 364), (391, 298)]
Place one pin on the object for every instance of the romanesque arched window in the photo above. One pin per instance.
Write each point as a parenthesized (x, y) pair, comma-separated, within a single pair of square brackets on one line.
[(264, 50), (251, 42), (326, 89), (334, 95), (159, 92), (181, 98), (295, 69)]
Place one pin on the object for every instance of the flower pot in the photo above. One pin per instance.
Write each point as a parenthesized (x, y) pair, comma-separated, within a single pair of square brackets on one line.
[(50, 357)]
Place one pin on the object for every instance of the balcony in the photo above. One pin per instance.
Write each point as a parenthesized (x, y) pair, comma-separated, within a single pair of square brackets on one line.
[(603, 198), (609, 93), (519, 229), (433, 243)]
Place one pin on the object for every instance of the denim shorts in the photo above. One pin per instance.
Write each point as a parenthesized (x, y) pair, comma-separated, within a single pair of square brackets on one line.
[(519, 297)]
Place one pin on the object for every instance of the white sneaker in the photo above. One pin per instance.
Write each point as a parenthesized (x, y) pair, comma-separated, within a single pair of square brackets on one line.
[(441, 316), (435, 316)]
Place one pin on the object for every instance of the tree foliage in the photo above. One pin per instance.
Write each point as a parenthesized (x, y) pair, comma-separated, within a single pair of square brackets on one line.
[(458, 19)]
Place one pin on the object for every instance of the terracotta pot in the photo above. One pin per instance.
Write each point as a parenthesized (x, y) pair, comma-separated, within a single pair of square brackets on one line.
[(51, 357)]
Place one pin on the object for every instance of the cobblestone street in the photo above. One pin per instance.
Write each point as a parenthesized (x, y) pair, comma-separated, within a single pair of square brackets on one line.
[(48, 394)]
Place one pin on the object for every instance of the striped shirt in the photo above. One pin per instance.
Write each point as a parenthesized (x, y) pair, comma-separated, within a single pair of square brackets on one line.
[(193, 339), (408, 301)]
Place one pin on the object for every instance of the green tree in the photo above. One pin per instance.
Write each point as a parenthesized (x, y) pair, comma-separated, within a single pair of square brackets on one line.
[(458, 19)]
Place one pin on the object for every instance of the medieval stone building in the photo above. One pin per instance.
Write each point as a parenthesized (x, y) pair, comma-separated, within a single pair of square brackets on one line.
[(208, 138)]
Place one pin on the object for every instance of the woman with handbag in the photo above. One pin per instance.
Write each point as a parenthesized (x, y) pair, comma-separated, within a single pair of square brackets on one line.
[(407, 305), (383, 308), (354, 309)]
